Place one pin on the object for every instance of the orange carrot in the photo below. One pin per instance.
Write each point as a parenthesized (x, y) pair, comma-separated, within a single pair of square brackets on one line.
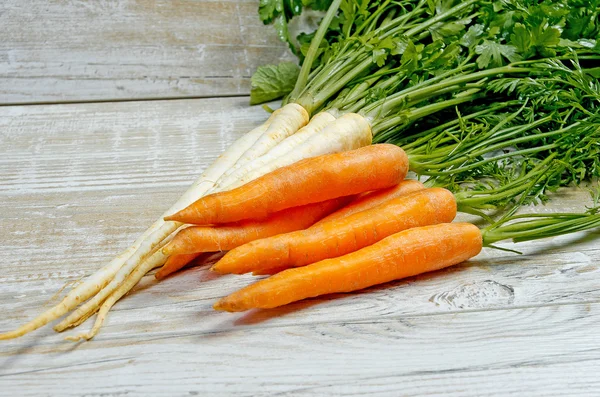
[(404, 254), (341, 236), (229, 236), (200, 259), (175, 263), (372, 199), (269, 272), (307, 181)]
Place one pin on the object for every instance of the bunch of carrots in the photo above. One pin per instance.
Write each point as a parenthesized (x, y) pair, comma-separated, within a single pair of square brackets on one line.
[(331, 223), (374, 227), (300, 189)]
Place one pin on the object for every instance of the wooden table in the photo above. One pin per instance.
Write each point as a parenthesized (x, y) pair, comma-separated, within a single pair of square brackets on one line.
[(111, 109)]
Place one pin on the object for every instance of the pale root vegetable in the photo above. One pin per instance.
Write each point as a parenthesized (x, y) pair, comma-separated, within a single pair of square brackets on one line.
[(154, 261), (102, 284), (307, 181), (282, 122), (291, 118), (159, 235), (145, 244), (404, 254), (91, 306), (228, 236), (341, 236), (316, 124), (77, 295), (176, 262), (373, 199), (349, 132)]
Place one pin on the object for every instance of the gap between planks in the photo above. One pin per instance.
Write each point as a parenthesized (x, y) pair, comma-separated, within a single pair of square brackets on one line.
[(116, 100)]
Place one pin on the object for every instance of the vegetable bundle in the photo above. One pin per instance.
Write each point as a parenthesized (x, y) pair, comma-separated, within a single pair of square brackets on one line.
[(495, 101)]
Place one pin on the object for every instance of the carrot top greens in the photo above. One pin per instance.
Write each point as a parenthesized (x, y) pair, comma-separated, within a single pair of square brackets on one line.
[(421, 39), (489, 98)]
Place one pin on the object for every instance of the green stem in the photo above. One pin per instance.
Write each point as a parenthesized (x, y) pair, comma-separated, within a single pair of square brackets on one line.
[(385, 31), (473, 153), (362, 101), (425, 136), (426, 170), (357, 92), (418, 113), (432, 21), (338, 73), (310, 102), (371, 18), (482, 199), (538, 226), (314, 47), (383, 107)]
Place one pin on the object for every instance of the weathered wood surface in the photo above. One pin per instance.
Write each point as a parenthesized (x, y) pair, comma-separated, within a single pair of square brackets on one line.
[(78, 182), (83, 50)]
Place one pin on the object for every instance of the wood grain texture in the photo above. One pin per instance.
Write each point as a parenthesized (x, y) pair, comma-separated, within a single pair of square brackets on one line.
[(542, 351), (78, 183), (83, 50)]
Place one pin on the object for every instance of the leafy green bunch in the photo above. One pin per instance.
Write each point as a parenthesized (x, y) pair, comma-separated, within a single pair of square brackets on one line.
[(280, 13), (491, 34)]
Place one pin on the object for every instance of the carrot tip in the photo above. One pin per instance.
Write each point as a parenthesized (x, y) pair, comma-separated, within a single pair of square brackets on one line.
[(218, 269)]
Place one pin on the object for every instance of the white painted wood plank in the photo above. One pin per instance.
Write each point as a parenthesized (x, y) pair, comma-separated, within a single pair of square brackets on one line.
[(73, 50), (543, 351)]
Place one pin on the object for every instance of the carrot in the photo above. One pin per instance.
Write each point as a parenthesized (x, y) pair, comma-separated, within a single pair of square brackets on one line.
[(203, 258), (229, 236), (341, 236), (269, 272), (175, 263), (200, 259), (373, 199), (307, 181), (404, 254)]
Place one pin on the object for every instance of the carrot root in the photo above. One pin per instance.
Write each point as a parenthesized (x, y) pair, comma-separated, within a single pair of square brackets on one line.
[(373, 199), (228, 236), (307, 181), (341, 236), (175, 263), (407, 253)]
